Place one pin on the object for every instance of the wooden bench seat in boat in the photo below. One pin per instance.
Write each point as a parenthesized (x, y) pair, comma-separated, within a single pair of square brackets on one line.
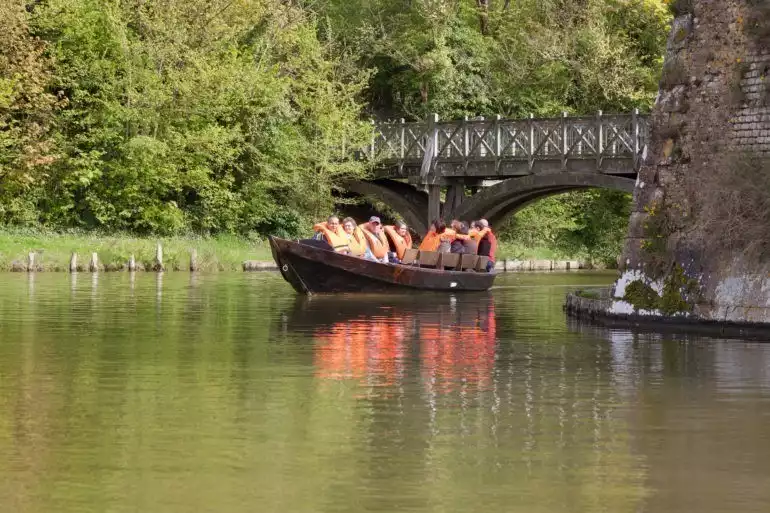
[(468, 262), (448, 261), (410, 256), (428, 259), (481, 265)]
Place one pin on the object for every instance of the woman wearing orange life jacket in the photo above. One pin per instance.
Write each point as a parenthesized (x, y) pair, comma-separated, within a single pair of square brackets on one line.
[(356, 237), (334, 234), (401, 238), (376, 240), (439, 238)]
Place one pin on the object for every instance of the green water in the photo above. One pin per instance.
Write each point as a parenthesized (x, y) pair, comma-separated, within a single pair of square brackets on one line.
[(228, 393)]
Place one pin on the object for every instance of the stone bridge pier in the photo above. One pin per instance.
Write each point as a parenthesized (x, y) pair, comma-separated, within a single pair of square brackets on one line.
[(479, 199)]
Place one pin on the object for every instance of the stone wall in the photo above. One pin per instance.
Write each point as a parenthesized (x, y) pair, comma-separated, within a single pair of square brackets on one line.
[(713, 107), (751, 122)]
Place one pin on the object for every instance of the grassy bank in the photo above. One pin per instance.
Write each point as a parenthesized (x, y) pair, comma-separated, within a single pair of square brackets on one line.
[(224, 253)]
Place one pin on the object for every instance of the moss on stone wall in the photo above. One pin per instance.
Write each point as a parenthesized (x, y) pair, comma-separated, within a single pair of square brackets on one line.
[(680, 293), (641, 295)]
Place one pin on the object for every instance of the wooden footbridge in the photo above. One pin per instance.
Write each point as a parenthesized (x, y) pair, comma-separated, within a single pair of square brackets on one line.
[(491, 167)]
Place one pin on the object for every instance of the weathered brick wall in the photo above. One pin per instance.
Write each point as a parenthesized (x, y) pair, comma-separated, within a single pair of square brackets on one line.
[(751, 123)]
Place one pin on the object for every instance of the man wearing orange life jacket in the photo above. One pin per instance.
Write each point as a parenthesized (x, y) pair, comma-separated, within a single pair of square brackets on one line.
[(333, 234), (356, 237), (376, 240), (487, 242), (400, 237)]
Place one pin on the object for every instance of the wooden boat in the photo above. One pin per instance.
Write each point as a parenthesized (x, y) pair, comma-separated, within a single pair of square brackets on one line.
[(310, 269)]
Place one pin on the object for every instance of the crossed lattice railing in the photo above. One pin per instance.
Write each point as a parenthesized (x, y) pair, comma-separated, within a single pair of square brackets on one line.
[(562, 139)]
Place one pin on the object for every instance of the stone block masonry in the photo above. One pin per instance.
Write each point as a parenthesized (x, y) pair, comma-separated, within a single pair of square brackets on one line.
[(711, 119)]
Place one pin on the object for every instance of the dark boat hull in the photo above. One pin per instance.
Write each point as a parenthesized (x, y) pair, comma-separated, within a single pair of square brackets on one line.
[(313, 270)]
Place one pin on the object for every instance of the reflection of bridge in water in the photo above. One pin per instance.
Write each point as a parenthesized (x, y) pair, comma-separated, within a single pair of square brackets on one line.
[(491, 167)]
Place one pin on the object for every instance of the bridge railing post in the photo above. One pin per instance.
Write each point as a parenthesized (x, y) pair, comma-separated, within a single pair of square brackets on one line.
[(434, 133), (564, 142), (531, 156), (635, 131), (599, 140), (466, 144)]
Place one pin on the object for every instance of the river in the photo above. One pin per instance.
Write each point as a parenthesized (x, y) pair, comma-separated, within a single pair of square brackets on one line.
[(229, 393)]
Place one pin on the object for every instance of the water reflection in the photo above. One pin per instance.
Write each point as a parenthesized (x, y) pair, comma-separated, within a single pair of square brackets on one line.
[(176, 393), (451, 340)]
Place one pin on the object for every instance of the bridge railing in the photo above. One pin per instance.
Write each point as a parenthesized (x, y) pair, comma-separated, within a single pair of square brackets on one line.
[(596, 137)]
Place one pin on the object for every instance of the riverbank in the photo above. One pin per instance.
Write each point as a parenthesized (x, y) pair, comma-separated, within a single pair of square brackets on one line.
[(597, 306), (53, 252)]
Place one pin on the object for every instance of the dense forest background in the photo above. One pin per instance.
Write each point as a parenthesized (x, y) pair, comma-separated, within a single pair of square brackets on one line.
[(238, 116)]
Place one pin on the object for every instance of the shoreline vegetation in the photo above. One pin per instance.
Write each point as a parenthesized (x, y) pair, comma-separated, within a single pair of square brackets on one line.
[(53, 251), (244, 118)]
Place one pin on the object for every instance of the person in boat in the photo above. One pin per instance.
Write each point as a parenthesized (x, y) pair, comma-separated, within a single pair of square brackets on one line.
[(487, 242), (400, 238), (356, 238), (447, 237), (463, 242), (432, 239), (376, 240), (333, 234)]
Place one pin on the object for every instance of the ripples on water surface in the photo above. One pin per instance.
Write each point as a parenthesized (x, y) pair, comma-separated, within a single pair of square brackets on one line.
[(227, 393)]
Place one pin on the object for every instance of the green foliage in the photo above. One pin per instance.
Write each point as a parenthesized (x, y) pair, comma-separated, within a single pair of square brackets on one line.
[(539, 56), (588, 294), (590, 224), (192, 115), (212, 116), (641, 295)]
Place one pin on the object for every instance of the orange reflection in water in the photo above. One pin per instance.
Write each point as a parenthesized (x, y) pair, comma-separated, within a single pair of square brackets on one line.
[(458, 354), (454, 348)]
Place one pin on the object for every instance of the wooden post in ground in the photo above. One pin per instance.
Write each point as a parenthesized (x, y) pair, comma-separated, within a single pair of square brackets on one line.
[(131, 264), (93, 265), (193, 260), (31, 262), (159, 258), (74, 263)]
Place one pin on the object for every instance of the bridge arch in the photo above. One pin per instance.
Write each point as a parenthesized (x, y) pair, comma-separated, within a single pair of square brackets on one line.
[(407, 201), (497, 201)]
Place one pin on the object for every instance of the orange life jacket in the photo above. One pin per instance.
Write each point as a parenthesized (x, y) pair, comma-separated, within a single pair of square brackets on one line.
[(357, 242), (337, 239), (449, 235), (402, 243), (430, 242), (379, 250)]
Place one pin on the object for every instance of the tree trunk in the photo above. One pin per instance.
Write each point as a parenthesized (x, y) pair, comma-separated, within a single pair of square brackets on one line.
[(483, 6)]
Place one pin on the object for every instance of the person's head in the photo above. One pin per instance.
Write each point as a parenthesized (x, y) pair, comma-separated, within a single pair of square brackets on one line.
[(375, 224), (462, 228), (349, 225), (333, 222), (483, 223), (455, 224), (476, 225), (438, 226), (402, 229)]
